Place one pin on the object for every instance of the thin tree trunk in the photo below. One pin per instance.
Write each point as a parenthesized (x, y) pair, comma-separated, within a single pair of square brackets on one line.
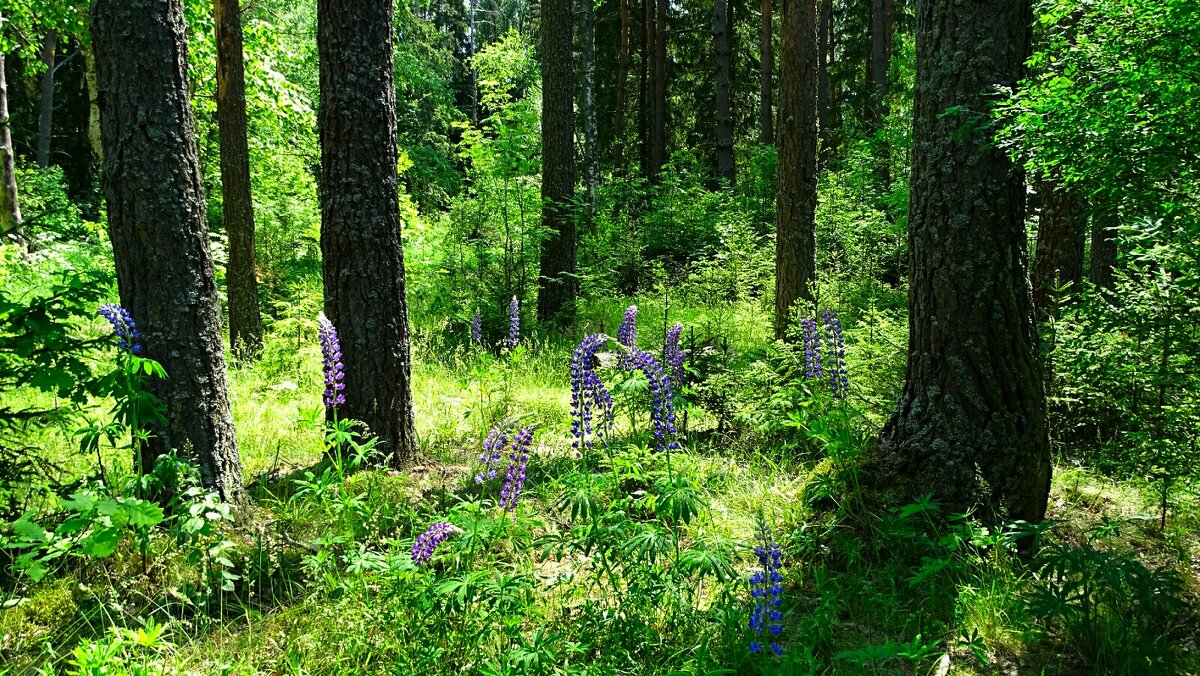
[(245, 323), (157, 225), (723, 60), (89, 65), (622, 76), (362, 255), (825, 99), (46, 105), (658, 107), (472, 40), (10, 210), (587, 61), (766, 68), (557, 283), (881, 56), (970, 427), (1104, 247), (796, 189), (645, 117), (1059, 256)]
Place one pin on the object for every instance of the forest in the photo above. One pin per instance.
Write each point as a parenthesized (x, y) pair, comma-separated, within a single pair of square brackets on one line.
[(599, 337)]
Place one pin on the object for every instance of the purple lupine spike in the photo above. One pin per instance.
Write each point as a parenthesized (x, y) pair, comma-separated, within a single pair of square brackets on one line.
[(427, 542), (835, 347), (331, 354), (766, 588), (492, 445), (514, 479), (123, 327), (627, 334), (662, 400), (588, 394), (477, 328), (673, 355), (514, 323), (812, 348)]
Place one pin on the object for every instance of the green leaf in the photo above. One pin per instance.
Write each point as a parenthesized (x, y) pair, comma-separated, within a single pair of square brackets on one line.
[(101, 543), (28, 530)]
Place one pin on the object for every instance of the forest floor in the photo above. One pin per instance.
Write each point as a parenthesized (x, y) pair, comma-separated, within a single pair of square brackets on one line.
[(625, 561)]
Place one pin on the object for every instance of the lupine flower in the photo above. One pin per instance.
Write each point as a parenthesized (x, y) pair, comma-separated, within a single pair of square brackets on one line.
[(812, 348), (477, 329), (514, 323), (123, 326), (427, 542), (766, 588), (662, 399), (588, 393), (495, 442), (514, 480), (835, 347), (627, 334), (673, 354), (331, 353)]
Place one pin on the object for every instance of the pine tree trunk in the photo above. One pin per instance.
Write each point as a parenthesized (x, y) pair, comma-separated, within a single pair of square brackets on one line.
[(46, 105), (825, 100), (587, 61), (645, 117), (658, 107), (10, 210), (89, 65), (621, 86), (556, 283), (723, 105), (245, 324), (970, 426), (1059, 256), (156, 221), (766, 67), (362, 254), (1104, 247), (881, 56), (796, 189)]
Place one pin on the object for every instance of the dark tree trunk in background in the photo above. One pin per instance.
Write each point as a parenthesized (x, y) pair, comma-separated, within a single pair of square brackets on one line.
[(766, 67), (970, 426), (645, 117), (556, 282), (156, 222), (472, 39), (362, 255), (622, 77), (46, 105), (10, 210), (245, 324), (796, 189), (1104, 247), (1059, 256), (825, 99), (723, 105), (587, 62), (658, 107), (881, 57)]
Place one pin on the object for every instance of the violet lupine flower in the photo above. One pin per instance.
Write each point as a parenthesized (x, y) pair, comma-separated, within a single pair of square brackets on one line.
[(477, 329), (662, 400), (588, 393), (514, 323), (331, 353), (835, 347), (495, 442), (627, 334), (123, 326), (514, 479), (812, 348), (766, 588), (427, 542), (673, 354)]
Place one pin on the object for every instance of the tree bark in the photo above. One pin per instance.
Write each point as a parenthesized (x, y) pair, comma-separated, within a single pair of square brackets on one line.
[(621, 86), (156, 221), (970, 426), (89, 65), (46, 105), (658, 107), (557, 283), (1059, 256), (1104, 247), (361, 250), (796, 187), (245, 323), (587, 62), (723, 105), (10, 210), (881, 57), (825, 99), (766, 68)]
